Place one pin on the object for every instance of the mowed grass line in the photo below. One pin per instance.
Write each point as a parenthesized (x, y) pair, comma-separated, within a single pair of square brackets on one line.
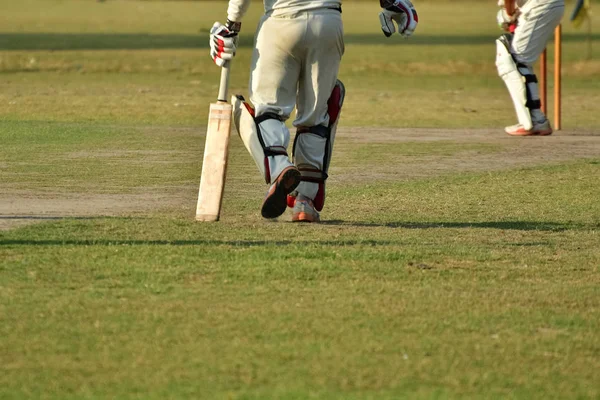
[(90, 158), (405, 294)]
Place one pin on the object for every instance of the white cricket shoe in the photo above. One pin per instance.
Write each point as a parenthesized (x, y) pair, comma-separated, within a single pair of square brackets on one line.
[(538, 129), (304, 210)]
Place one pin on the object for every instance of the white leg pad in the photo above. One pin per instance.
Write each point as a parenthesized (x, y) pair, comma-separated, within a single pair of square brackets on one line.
[(276, 139), (266, 139), (515, 82), (313, 148), (311, 154)]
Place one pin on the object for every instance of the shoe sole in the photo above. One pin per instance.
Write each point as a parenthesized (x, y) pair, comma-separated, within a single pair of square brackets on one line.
[(276, 202)]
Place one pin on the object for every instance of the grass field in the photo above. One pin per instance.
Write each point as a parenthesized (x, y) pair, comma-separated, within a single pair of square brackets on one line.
[(453, 261)]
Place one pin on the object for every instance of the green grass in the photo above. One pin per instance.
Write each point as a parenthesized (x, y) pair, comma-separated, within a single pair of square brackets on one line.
[(155, 68), (439, 272), (456, 292)]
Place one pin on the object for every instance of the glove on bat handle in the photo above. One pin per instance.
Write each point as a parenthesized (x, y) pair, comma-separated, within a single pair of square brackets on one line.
[(224, 85)]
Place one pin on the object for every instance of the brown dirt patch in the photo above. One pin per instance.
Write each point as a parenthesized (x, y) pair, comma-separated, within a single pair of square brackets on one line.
[(512, 151), (21, 207)]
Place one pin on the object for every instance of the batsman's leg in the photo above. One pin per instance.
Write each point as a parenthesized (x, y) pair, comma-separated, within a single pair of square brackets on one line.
[(313, 148), (515, 57), (259, 135), (518, 80), (273, 82), (320, 98)]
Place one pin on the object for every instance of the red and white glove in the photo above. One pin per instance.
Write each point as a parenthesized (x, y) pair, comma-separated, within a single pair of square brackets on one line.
[(507, 23), (402, 12), (223, 42)]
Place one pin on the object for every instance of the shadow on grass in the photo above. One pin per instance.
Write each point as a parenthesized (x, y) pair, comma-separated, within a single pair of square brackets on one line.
[(131, 41), (501, 225), (233, 243), (508, 225), (45, 218)]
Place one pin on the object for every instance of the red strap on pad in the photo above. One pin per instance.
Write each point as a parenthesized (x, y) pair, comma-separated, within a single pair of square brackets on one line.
[(333, 105)]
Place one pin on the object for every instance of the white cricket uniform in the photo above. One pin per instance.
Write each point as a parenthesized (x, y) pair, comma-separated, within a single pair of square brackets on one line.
[(535, 27), (514, 58), (298, 47)]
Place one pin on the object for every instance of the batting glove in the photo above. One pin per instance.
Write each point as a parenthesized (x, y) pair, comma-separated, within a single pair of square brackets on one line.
[(402, 12), (223, 42), (507, 22)]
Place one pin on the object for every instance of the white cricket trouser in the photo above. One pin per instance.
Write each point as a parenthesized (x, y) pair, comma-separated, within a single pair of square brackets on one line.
[(295, 64), (535, 26)]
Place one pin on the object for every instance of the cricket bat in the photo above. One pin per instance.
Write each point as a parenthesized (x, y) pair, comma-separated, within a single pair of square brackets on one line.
[(510, 6), (216, 148)]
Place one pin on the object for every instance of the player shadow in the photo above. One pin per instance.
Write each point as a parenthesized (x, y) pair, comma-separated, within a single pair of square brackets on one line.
[(44, 217), (500, 225), (183, 243), (140, 41)]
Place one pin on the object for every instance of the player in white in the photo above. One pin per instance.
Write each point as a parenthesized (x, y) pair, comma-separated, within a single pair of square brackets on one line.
[(533, 23), (298, 47)]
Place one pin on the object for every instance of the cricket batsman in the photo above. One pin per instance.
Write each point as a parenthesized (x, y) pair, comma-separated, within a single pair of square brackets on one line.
[(529, 24), (298, 46)]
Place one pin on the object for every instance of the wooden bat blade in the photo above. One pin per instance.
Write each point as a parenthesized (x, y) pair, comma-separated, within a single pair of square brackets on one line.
[(214, 164), (510, 7)]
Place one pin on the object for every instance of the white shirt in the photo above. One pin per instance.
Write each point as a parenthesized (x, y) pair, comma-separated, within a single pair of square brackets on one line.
[(521, 3)]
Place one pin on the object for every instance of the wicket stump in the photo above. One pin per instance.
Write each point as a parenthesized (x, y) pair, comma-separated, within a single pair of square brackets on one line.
[(557, 79)]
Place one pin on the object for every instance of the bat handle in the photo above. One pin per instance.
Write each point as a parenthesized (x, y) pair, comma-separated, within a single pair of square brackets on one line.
[(224, 85)]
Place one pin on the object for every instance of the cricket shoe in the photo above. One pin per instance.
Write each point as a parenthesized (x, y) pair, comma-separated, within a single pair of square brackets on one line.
[(539, 129), (276, 199), (304, 210)]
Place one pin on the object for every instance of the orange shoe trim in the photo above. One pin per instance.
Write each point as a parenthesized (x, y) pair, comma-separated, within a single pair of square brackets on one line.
[(522, 132), (304, 217)]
